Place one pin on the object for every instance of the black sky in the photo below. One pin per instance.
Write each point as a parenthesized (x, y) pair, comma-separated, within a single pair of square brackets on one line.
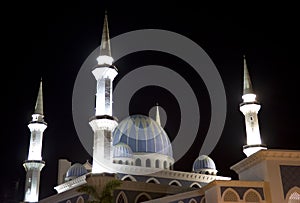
[(53, 40)]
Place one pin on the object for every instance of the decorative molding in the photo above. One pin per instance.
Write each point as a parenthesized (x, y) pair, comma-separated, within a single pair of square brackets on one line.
[(270, 154)]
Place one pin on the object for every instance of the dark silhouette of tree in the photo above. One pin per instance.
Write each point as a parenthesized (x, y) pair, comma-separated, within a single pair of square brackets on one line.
[(106, 195)]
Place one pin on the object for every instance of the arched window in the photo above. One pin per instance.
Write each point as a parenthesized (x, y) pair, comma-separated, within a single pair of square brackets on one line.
[(156, 163), (230, 196), (195, 185), (121, 198), (126, 162), (165, 165), (294, 195), (142, 197), (153, 180), (193, 201), (252, 196), (80, 200), (128, 178), (175, 183), (120, 162), (148, 163), (138, 162)]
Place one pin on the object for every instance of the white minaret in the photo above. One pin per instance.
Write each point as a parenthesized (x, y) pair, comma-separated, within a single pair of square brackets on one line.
[(103, 123), (34, 163), (250, 107)]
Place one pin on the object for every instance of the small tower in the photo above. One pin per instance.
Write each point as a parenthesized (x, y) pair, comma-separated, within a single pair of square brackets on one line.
[(103, 123), (250, 107), (34, 163)]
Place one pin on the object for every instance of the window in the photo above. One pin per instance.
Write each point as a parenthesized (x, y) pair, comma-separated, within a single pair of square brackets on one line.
[(230, 196), (120, 162), (148, 163), (142, 197), (153, 180), (294, 198), (175, 183), (165, 165), (138, 162), (121, 198), (252, 196), (157, 163), (80, 200)]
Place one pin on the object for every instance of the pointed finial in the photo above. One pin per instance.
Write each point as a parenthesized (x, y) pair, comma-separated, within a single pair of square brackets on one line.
[(105, 41), (157, 116), (247, 81), (39, 102)]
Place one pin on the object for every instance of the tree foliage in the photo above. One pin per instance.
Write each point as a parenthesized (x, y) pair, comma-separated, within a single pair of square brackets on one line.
[(106, 195)]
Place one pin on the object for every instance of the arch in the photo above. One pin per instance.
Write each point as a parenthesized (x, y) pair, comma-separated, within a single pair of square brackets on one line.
[(165, 165), (138, 162), (252, 196), (142, 197), (156, 163), (148, 163), (203, 200), (80, 200), (69, 201), (152, 180), (126, 162), (293, 195), (121, 198), (230, 195), (195, 185), (175, 182), (180, 202), (128, 178), (192, 201), (120, 162)]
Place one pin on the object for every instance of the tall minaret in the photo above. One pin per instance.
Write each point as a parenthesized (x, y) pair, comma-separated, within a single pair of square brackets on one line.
[(250, 107), (103, 123), (34, 163)]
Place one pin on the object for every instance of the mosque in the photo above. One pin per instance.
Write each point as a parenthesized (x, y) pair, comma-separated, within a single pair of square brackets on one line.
[(137, 152)]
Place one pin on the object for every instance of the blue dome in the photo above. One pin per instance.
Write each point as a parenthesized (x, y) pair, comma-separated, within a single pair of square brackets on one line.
[(122, 150), (75, 171), (203, 162), (143, 134)]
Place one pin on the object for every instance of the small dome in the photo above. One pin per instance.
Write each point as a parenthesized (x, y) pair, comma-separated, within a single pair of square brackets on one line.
[(203, 162), (75, 171), (143, 134), (122, 150)]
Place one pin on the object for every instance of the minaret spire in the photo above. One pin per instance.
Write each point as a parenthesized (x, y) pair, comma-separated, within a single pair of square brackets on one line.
[(34, 163), (39, 102), (157, 116), (105, 41), (250, 107), (247, 81), (105, 50)]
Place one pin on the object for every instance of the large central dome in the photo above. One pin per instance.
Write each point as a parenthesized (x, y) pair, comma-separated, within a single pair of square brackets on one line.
[(143, 135)]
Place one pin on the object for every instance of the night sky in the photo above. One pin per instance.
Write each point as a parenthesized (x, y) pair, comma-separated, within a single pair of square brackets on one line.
[(53, 40)]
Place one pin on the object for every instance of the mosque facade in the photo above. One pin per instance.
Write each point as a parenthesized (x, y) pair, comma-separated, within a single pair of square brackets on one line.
[(138, 152)]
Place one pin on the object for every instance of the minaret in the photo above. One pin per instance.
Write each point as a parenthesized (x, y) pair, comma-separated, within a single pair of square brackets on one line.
[(103, 123), (250, 107), (34, 163)]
